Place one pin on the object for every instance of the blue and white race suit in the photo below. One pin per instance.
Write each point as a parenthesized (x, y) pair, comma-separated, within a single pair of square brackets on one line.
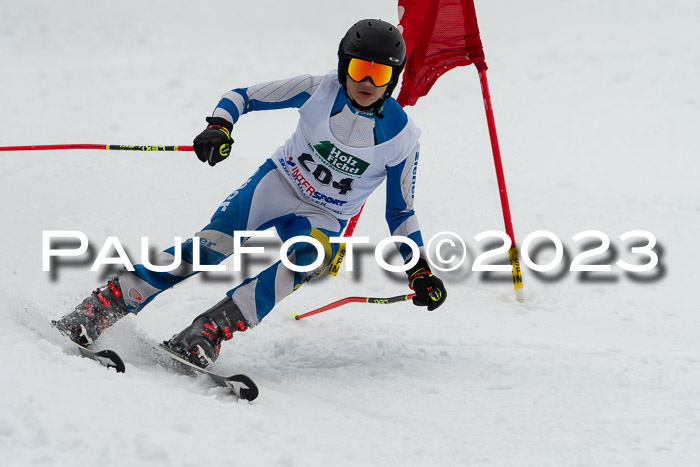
[(310, 186)]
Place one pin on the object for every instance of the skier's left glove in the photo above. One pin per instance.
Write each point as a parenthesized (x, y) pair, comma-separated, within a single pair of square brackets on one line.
[(429, 289), (213, 145)]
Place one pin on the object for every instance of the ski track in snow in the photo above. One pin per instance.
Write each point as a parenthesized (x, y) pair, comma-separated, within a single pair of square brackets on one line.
[(596, 104)]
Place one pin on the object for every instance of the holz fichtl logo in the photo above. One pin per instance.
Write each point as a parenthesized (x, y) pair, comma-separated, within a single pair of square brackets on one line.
[(338, 160)]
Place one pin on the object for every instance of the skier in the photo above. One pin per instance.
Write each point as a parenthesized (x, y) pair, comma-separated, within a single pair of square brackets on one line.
[(351, 136)]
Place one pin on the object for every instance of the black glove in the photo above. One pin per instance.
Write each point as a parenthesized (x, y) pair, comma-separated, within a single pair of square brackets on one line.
[(430, 291), (214, 144)]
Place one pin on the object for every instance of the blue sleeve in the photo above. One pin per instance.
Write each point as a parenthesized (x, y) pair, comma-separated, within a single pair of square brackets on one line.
[(282, 94), (400, 187)]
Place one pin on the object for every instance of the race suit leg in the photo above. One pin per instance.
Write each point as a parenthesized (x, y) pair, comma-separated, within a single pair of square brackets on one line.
[(266, 200)]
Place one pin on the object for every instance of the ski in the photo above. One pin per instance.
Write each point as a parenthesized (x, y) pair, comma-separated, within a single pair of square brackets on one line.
[(240, 385), (108, 358)]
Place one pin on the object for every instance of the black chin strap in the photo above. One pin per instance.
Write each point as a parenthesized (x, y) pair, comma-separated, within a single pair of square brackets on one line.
[(376, 110)]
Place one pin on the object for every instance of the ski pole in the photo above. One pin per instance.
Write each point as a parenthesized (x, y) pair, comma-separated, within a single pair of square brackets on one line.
[(345, 301), (111, 147)]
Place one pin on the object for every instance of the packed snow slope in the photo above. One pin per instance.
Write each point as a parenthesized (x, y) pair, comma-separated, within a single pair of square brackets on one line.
[(597, 109)]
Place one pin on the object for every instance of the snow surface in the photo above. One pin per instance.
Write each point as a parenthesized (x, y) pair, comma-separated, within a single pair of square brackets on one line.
[(596, 104)]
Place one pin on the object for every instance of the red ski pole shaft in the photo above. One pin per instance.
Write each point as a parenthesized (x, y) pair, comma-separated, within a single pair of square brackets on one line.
[(111, 147), (345, 301), (513, 252)]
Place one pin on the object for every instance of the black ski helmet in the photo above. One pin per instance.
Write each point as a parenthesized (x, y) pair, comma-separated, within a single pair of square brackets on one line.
[(376, 41)]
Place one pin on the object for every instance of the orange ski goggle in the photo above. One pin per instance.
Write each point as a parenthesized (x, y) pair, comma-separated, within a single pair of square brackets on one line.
[(359, 69)]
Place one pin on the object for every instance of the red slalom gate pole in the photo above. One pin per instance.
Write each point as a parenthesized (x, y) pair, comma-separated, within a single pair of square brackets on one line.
[(513, 252), (110, 147), (335, 266), (345, 301)]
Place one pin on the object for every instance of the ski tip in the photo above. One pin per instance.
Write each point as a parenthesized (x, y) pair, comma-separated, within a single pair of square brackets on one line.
[(244, 387), (116, 362), (249, 394), (295, 316)]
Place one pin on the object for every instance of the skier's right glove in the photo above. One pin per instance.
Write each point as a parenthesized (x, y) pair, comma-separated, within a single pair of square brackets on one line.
[(429, 289), (213, 145)]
